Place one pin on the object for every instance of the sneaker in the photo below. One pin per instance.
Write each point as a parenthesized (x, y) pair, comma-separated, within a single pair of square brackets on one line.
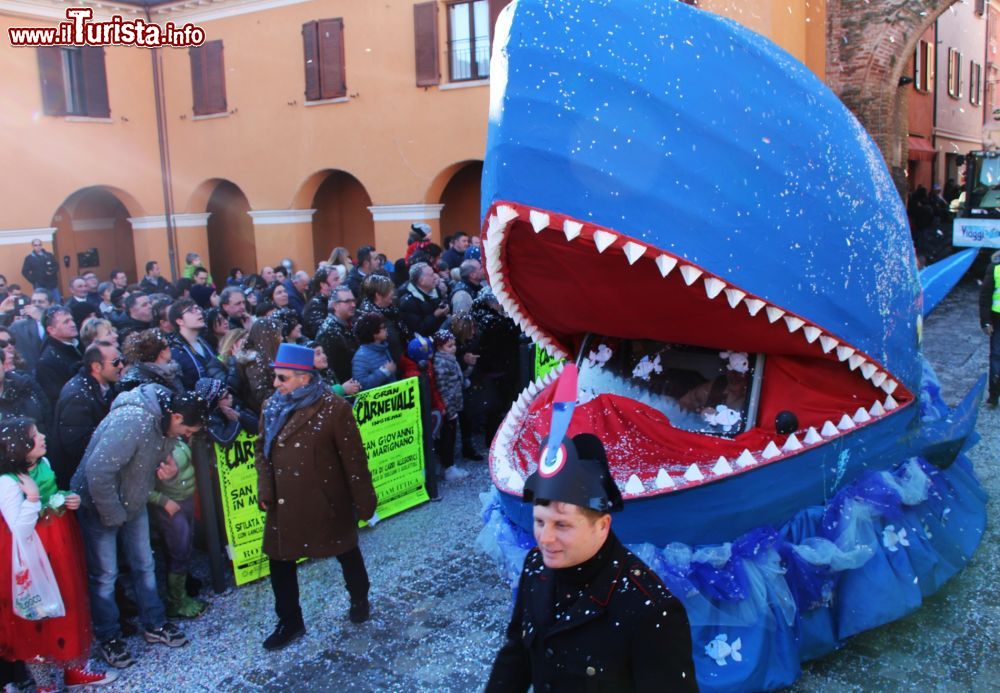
[(78, 677), (359, 612), (284, 635), (115, 653), (168, 634), (453, 473)]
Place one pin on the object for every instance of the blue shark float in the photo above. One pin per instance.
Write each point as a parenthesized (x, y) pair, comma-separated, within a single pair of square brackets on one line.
[(686, 211)]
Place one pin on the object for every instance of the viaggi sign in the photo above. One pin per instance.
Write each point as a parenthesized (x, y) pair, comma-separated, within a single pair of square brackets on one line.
[(976, 233)]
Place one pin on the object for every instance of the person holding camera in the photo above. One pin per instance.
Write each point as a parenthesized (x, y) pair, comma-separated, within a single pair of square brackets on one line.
[(423, 307)]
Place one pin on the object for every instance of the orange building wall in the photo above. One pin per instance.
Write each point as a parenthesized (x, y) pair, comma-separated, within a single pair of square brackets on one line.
[(400, 142)]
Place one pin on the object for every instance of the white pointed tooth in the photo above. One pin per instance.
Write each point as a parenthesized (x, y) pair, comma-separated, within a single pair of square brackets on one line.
[(811, 333), (844, 352), (539, 220), (877, 409), (734, 296), (549, 377), (745, 459), (532, 390), (497, 283), (722, 467), (663, 479), (812, 436), (633, 251), (519, 406), (603, 239), (845, 423), (572, 229), (792, 443), (713, 286), (855, 361), (868, 370), (890, 403), (665, 264), (793, 322), (771, 451), (690, 273), (506, 214), (773, 313), (829, 430), (879, 378), (754, 305), (862, 415), (693, 473), (828, 343), (634, 486), (494, 226), (889, 386)]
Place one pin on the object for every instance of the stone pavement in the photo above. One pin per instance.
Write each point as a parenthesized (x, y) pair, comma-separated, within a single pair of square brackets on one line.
[(439, 607)]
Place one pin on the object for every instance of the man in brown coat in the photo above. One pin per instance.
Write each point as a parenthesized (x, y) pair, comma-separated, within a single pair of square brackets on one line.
[(313, 482)]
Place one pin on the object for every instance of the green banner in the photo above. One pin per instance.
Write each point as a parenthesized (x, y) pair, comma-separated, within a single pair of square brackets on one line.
[(389, 419), (543, 362), (243, 518)]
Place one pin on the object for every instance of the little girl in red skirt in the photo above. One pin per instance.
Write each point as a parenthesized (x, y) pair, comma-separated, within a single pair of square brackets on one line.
[(32, 505)]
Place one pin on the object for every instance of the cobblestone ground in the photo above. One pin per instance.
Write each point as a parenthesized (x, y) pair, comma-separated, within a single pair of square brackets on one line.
[(439, 607)]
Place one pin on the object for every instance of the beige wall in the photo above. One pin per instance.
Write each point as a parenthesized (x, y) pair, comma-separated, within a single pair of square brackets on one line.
[(401, 143)]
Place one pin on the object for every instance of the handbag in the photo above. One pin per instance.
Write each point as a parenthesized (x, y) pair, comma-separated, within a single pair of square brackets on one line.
[(35, 591)]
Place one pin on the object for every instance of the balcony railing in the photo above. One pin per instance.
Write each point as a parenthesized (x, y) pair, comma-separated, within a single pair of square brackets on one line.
[(460, 59)]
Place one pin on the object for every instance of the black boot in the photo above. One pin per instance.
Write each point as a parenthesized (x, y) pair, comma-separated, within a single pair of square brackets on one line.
[(284, 635), (360, 611)]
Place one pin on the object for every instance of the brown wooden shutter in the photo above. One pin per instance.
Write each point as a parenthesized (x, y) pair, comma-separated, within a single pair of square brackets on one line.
[(309, 43), (495, 7), (95, 82), (333, 77), (50, 72), (208, 78), (197, 79), (425, 38)]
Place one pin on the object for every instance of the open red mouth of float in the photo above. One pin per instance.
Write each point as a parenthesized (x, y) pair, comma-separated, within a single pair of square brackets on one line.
[(682, 373)]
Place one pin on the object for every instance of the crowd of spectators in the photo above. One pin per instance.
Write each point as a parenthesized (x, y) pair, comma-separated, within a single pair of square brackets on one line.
[(77, 367)]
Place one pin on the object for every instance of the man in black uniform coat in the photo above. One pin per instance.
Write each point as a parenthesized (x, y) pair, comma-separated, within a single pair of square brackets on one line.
[(589, 615)]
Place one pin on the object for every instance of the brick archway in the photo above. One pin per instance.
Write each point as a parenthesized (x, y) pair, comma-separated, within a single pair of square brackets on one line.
[(868, 44)]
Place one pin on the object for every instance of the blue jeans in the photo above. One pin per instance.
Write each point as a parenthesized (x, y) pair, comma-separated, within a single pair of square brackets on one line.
[(102, 570)]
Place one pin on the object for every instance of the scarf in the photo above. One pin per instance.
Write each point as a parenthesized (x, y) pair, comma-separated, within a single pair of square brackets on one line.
[(280, 407)]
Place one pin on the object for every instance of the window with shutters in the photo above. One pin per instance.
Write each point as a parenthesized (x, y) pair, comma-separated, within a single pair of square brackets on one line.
[(74, 81), (323, 41), (975, 83), (208, 78), (954, 74), (469, 40), (923, 67)]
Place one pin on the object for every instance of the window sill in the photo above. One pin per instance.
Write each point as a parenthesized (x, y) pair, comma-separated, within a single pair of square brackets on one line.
[(324, 102), (465, 85), (211, 116), (87, 119)]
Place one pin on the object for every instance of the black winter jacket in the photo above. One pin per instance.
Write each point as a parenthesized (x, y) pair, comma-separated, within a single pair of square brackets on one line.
[(41, 269), (339, 344), (23, 396), (621, 630), (192, 364), (57, 364), (80, 409), (417, 310)]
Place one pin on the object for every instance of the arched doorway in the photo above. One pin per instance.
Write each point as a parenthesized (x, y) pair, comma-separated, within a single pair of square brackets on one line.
[(342, 217), (460, 198), (94, 234), (230, 232)]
